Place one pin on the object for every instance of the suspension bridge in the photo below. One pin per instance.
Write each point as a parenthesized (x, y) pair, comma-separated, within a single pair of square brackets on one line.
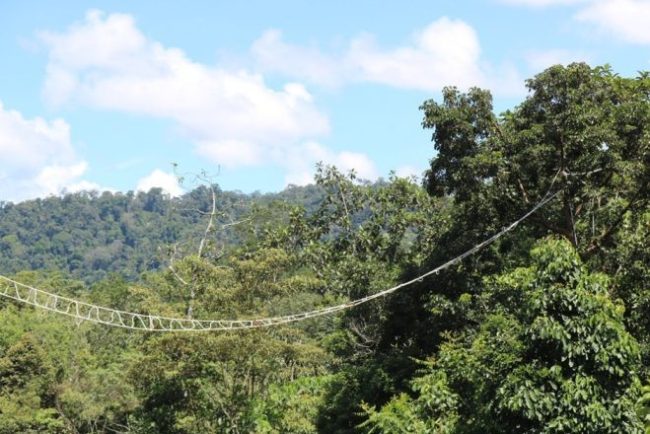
[(87, 312)]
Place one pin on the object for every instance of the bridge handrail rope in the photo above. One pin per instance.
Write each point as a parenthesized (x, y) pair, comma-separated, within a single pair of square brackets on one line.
[(82, 311)]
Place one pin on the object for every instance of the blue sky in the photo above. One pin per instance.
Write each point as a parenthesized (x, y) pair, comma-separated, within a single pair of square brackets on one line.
[(108, 94)]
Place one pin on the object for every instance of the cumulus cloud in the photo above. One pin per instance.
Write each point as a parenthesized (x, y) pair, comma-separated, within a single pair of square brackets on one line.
[(409, 172), (234, 117), (167, 181), (301, 162), (446, 52), (37, 158), (542, 59), (308, 63), (32, 143), (85, 185), (626, 19)]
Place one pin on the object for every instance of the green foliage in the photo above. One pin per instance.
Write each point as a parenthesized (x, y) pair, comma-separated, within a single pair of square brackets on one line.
[(521, 337), (55, 378), (583, 130), (25, 374), (643, 407), (551, 355), (435, 411), (90, 235), (291, 407)]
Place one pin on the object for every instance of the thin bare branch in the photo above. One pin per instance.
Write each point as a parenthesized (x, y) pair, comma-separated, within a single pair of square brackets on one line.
[(196, 210), (176, 275), (235, 223), (597, 243), (213, 214), (523, 190)]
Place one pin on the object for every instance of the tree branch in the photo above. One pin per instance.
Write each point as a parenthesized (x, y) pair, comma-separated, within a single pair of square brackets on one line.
[(597, 243), (213, 214)]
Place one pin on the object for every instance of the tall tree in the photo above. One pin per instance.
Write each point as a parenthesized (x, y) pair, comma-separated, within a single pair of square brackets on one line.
[(583, 130), (551, 355)]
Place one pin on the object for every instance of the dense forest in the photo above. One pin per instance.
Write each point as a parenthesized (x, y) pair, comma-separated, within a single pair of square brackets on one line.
[(546, 330), (88, 235)]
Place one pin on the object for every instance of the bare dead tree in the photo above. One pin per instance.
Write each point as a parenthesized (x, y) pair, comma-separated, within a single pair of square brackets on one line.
[(212, 228), (213, 215)]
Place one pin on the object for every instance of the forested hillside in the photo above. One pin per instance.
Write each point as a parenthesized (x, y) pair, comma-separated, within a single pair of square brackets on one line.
[(89, 234), (545, 330)]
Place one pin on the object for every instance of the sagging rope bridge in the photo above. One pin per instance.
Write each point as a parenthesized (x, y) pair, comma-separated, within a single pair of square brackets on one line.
[(88, 312)]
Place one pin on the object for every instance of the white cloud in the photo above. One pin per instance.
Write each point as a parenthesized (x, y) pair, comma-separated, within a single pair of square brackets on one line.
[(233, 153), (446, 52), (167, 181), (359, 162), (54, 178), (234, 117), (409, 172), (32, 143), (37, 157), (540, 60), (301, 163), (84, 185), (626, 19), (273, 54)]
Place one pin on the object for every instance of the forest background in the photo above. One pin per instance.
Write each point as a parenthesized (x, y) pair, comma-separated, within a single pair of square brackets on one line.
[(546, 330)]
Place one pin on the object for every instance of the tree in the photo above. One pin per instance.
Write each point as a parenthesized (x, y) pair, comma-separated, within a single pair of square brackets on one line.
[(582, 130), (550, 355), (210, 382), (359, 241)]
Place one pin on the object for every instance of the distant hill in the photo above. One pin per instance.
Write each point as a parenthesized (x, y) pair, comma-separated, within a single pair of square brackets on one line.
[(90, 234)]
